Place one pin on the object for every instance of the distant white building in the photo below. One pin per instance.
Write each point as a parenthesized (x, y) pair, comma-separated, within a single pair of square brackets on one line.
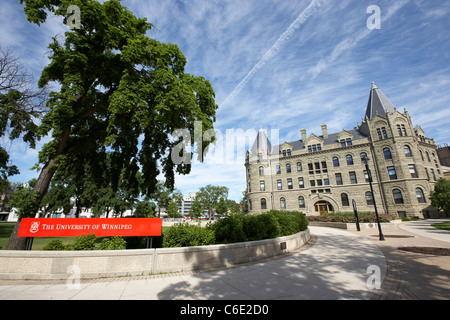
[(186, 204)]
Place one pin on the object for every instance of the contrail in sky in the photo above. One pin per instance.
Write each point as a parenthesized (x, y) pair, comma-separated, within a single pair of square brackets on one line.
[(304, 15), (350, 42)]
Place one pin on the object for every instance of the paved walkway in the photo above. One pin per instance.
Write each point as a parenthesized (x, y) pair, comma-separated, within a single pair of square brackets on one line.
[(333, 268), (337, 264), (413, 276)]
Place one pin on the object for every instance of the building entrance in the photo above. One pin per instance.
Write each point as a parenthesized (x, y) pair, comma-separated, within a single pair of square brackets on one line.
[(323, 207)]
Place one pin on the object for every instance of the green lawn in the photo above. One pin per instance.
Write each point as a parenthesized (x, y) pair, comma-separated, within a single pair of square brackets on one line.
[(442, 225), (39, 243)]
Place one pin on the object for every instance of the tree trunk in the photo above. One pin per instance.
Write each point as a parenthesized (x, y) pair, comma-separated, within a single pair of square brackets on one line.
[(15, 242), (42, 184)]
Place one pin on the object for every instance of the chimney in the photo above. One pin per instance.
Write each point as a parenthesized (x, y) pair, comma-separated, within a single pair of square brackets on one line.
[(324, 131), (303, 131)]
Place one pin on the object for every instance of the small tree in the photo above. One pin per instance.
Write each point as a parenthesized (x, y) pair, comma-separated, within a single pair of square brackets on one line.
[(172, 210), (210, 196), (440, 197)]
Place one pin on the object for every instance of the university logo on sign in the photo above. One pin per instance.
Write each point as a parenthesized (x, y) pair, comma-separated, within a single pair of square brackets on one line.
[(34, 227)]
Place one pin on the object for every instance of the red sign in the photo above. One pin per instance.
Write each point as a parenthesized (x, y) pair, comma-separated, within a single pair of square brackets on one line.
[(101, 227)]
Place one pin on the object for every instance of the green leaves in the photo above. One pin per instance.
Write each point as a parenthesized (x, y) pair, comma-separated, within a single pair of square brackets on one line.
[(121, 93), (440, 197)]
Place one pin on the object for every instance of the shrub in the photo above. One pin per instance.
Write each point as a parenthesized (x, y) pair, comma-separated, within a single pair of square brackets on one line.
[(290, 222), (364, 218), (54, 245), (230, 229), (272, 224), (84, 242), (114, 243), (187, 235)]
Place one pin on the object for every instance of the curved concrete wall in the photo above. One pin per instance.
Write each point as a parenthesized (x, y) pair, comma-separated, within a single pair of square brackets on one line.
[(94, 264)]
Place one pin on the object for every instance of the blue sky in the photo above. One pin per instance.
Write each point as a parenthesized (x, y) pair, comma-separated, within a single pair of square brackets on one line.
[(284, 65)]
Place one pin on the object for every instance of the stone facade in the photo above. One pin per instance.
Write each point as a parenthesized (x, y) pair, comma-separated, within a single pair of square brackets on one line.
[(319, 174)]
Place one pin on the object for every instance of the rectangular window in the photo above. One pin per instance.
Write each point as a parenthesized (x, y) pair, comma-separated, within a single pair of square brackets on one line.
[(349, 141), (384, 132), (301, 183), (353, 177), (317, 166), (319, 182), (278, 170), (289, 183), (342, 141), (289, 152), (313, 183), (380, 137), (432, 173), (392, 173), (324, 167), (310, 168), (339, 179), (412, 170), (326, 182), (262, 186), (279, 185)]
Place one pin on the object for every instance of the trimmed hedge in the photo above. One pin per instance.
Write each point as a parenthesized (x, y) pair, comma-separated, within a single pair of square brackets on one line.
[(364, 218), (187, 235), (236, 228), (272, 224)]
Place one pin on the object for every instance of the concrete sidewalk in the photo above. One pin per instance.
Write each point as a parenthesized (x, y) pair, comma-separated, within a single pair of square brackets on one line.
[(334, 267), (413, 276)]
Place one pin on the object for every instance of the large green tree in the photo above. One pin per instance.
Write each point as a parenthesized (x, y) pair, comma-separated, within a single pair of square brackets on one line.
[(121, 93), (440, 197)]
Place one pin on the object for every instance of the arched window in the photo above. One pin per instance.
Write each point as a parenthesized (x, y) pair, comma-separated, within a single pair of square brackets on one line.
[(250, 204), (363, 156), (263, 204), (420, 196), (421, 155), (407, 151), (369, 198), (344, 200), (301, 202), (299, 166), (335, 162), (288, 168), (428, 156), (387, 153), (261, 171), (282, 203), (349, 160), (398, 197)]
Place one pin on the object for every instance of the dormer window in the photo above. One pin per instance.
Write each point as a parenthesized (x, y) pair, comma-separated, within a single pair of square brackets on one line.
[(346, 142), (314, 147)]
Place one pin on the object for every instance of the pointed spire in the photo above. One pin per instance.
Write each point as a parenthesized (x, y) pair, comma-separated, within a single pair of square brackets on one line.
[(378, 103), (261, 142)]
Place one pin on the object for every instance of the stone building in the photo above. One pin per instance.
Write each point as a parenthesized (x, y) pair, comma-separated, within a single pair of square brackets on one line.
[(323, 173)]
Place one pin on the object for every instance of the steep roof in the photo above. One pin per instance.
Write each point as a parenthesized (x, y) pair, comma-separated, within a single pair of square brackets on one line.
[(378, 103), (261, 142), (331, 139)]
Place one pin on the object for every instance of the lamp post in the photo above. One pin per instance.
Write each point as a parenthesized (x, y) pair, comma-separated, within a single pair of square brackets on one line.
[(366, 163)]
